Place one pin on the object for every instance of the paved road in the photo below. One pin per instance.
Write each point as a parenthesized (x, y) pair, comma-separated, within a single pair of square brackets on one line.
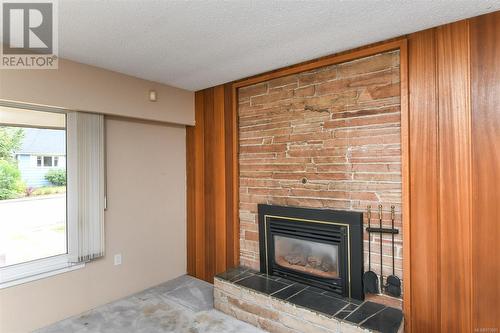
[(32, 228)]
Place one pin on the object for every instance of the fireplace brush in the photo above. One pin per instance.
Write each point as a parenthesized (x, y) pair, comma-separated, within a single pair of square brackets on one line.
[(393, 286)]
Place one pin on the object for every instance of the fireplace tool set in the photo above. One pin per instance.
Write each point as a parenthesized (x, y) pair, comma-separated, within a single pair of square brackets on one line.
[(370, 280)]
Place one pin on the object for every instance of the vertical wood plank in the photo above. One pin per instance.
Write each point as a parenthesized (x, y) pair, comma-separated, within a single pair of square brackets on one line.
[(455, 176), (199, 185), (232, 179), (211, 197), (209, 183), (405, 179), (190, 200), (424, 184), (217, 155), (485, 95)]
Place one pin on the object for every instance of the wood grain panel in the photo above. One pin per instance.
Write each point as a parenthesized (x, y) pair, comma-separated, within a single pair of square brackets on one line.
[(190, 200), (424, 183), (218, 189), (210, 182), (405, 178), (210, 217), (452, 42), (199, 187), (232, 183), (485, 78)]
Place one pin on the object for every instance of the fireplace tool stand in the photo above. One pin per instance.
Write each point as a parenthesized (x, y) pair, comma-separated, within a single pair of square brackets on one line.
[(393, 287)]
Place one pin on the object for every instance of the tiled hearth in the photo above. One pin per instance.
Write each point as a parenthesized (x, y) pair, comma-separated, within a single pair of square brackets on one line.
[(280, 305)]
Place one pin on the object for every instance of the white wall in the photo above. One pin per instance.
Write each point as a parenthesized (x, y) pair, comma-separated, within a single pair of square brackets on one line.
[(80, 87), (145, 221)]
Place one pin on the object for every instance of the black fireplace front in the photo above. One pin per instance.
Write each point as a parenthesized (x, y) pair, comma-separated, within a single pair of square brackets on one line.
[(319, 247)]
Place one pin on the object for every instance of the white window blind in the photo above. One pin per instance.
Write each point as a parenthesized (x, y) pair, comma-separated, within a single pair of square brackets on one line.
[(86, 185)]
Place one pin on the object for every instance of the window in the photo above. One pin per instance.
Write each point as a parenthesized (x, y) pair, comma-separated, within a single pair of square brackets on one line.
[(48, 161), (65, 229)]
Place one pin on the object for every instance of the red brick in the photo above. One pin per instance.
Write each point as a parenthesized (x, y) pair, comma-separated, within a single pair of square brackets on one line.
[(364, 121), (326, 74), (337, 127), (256, 89), (283, 81), (276, 97), (370, 64), (304, 92), (252, 235)]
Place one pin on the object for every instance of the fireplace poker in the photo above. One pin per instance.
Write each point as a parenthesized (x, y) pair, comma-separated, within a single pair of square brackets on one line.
[(370, 279), (381, 254)]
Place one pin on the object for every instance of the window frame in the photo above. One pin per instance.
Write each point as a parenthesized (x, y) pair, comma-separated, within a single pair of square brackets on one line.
[(40, 268), (53, 158)]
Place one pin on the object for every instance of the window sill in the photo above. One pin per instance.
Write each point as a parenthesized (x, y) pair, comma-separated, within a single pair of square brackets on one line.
[(36, 270)]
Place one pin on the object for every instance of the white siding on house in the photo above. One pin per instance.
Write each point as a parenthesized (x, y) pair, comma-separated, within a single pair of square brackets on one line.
[(33, 175)]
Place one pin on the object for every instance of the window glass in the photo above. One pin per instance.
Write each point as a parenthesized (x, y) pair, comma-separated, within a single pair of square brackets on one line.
[(47, 161), (32, 199)]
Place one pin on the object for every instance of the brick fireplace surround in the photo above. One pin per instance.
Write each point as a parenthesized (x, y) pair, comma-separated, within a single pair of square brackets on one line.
[(326, 138)]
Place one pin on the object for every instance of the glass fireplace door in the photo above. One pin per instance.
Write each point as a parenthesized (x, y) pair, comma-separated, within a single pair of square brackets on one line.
[(307, 257)]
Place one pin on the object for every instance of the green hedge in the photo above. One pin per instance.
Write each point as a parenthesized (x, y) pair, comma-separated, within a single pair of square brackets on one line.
[(56, 177), (11, 184)]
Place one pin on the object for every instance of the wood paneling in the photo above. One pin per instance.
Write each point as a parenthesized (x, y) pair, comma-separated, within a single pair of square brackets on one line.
[(452, 132), (211, 223), (405, 178), (195, 161), (455, 167), (424, 183), (452, 42), (485, 74), (232, 173)]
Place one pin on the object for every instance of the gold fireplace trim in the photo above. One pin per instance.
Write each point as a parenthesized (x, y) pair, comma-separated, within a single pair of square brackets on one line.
[(313, 221)]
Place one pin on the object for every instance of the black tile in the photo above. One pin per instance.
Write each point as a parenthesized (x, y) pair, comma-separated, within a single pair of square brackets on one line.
[(261, 284), (347, 299), (342, 314), (242, 276), (386, 321), (316, 290), (267, 276), (347, 310), (286, 281), (350, 307), (332, 294), (364, 311), (317, 302), (232, 273), (355, 301), (290, 291)]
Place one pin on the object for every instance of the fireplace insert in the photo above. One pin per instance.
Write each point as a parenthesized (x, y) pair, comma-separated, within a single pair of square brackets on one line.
[(319, 247)]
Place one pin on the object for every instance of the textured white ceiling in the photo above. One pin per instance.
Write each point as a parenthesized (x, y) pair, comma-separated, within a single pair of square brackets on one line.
[(198, 44)]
